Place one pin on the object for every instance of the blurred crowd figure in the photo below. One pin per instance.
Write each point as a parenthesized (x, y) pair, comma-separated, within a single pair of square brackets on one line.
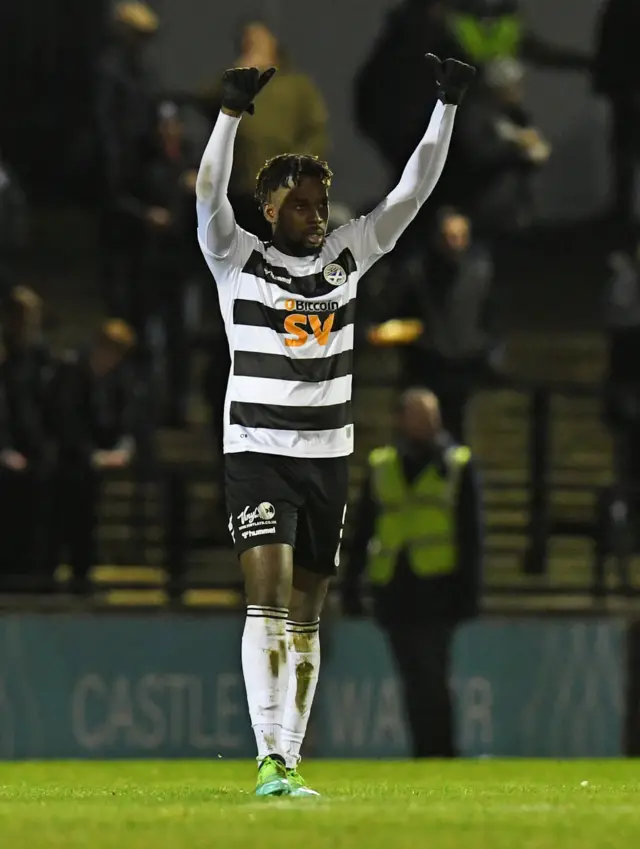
[(617, 78), (622, 378), (95, 417), (496, 152), (26, 457), (157, 205), (475, 31), (450, 274), (147, 166), (125, 97), (492, 34), (419, 538), (13, 225), (440, 310), (62, 422)]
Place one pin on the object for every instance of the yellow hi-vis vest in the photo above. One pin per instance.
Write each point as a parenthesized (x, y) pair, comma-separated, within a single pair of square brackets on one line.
[(486, 40), (419, 518)]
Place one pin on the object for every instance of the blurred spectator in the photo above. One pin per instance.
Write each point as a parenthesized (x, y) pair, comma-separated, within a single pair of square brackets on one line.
[(25, 445), (485, 30), (125, 103), (419, 538), (495, 154), (292, 116), (159, 203), (13, 225), (444, 298), (622, 379), (94, 413), (393, 91), (617, 77)]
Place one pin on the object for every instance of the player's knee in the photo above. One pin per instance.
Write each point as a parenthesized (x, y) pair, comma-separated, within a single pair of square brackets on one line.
[(267, 573), (307, 596), (305, 610)]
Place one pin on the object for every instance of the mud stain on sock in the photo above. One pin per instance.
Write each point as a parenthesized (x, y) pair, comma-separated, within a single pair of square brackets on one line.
[(302, 643), (304, 676), (277, 657), (274, 662)]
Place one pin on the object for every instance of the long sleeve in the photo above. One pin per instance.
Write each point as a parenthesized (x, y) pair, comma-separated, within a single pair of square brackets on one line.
[(419, 178), (216, 222)]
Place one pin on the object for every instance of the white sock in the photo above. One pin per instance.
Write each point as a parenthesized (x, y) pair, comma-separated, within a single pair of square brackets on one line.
[(264, 665), (303, 646)]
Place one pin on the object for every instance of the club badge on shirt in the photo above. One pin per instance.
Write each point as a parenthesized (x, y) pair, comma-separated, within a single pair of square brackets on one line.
[(334, 274)]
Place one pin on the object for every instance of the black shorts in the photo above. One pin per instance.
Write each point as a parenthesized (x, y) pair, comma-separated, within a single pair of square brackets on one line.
[(293, 500)]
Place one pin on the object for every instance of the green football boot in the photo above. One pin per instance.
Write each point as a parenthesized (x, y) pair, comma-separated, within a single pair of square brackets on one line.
[(272, 779), (297, 785)]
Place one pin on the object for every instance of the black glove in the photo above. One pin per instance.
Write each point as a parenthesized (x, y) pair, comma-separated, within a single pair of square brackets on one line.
[(241, 85), (452, 78)]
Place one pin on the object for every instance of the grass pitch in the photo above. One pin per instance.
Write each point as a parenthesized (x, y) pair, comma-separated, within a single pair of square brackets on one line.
[(365, 805)]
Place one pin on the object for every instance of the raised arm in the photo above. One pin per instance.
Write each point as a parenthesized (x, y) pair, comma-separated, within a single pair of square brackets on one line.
[(425, 166), (216, 221), (419, 178)]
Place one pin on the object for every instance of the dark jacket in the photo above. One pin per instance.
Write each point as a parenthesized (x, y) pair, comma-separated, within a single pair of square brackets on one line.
[(25, 390), (393, 91), (622, 314), (455, 301), (488, 177), (13, 216), (126, 94), (408, 598), (617, 64), (159, 182), (92, 413)]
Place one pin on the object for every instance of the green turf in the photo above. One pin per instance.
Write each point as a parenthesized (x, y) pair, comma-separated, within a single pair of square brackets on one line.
[(365, 805)]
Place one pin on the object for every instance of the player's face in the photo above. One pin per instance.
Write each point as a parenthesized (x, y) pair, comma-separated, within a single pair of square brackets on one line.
[(302, 218)]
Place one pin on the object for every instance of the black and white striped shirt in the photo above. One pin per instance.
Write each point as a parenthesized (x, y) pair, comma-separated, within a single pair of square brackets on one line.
[(289, 320), (289, 323)]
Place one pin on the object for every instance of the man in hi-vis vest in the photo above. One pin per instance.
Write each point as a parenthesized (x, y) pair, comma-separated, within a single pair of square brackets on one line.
[(419, 537)]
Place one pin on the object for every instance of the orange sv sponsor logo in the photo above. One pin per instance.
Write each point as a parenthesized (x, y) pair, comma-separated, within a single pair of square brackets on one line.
[(300, 324)]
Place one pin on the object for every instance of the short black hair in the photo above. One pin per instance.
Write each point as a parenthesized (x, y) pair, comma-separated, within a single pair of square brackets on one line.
[(286, 171)]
